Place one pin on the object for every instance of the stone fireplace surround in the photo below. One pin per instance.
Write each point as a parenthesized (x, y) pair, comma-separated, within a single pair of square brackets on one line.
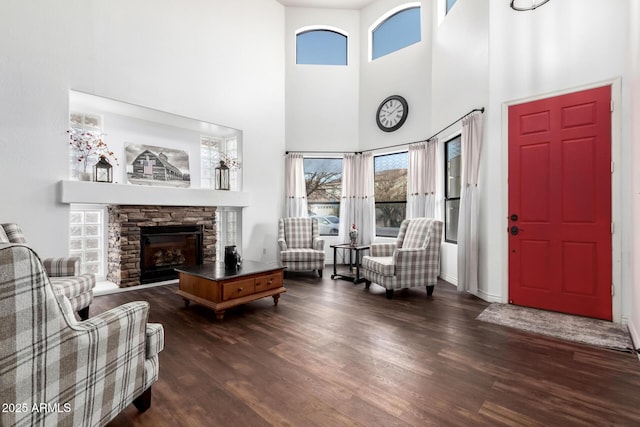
[(123, 260)]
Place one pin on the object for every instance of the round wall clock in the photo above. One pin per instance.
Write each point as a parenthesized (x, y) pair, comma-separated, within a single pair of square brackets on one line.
[(392, 113)]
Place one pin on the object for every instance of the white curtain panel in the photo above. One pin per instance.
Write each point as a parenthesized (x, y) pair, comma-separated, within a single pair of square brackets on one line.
[(439, 194), (468, 220), (421, 180), (357, 205), (296, 189), (348, 199)]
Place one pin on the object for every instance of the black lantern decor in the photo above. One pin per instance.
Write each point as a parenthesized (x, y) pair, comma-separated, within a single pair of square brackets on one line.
[(103, 171), (222, 176)]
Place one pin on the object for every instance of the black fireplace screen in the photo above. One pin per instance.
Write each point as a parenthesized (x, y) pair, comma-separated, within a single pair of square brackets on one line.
[(163, 248)]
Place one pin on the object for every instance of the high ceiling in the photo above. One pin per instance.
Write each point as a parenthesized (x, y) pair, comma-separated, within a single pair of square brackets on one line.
[(327, 4)]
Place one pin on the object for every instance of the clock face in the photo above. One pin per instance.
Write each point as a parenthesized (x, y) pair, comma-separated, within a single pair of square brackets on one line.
[(392, 113)]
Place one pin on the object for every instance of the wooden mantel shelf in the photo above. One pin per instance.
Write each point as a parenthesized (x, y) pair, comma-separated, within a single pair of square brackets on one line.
[(130, 194)]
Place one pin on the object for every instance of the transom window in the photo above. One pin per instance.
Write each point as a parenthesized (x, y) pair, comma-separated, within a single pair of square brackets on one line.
[(396, 30), (452, 188), (390, 181), (323, 180), (450, 4), (321, 46)]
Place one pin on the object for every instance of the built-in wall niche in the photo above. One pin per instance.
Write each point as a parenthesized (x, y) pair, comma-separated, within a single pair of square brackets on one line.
[(123, 124)]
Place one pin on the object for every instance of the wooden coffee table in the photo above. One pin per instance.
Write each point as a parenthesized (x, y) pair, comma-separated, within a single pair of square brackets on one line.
[(212, 286)]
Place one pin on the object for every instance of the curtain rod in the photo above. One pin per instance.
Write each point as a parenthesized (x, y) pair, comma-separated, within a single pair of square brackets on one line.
[(481, 109), (432, 136)]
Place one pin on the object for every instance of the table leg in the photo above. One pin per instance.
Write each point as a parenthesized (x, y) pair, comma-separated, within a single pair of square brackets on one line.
[(186, 303), (335, 272), (276, 297), (219, 314)]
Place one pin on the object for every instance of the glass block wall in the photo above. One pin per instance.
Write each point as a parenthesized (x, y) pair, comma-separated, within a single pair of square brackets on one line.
[(86, 238)]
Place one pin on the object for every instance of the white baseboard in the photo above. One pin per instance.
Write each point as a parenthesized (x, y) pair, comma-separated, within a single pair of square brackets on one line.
[(488, 297), (635, 337), (481, 294), (449, 279)]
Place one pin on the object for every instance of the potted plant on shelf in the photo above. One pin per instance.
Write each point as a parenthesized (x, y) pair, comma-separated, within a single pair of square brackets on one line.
[(89, 146)]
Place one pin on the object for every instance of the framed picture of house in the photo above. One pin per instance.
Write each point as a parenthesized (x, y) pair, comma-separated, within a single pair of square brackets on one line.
[(152, 165)]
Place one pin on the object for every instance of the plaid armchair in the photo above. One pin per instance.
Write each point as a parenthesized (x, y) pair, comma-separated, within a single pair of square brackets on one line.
[(62, 372), (63, 272), (414, 260), (301, 248)]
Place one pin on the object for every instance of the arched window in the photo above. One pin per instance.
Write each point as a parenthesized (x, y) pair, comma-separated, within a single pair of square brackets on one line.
[(398, 28), (450, 4), (321, 46)]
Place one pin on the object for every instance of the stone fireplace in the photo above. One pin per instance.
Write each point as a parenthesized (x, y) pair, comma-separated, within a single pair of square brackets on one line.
[(175, 233)]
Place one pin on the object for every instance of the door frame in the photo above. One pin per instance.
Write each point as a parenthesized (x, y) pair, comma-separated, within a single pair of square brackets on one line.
[(616, 193)]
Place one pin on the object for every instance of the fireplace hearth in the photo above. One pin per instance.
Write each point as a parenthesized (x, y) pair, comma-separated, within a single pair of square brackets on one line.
[(163, 248)]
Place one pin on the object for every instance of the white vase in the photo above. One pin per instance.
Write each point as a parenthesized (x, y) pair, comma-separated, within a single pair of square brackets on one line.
[(84, 176)]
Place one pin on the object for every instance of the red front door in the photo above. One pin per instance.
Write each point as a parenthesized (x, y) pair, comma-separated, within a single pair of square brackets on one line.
[(560, 203)]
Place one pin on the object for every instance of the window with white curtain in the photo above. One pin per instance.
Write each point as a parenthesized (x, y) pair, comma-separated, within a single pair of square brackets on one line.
[(87, 238), (390, 181), (323, 181), (452, 188)]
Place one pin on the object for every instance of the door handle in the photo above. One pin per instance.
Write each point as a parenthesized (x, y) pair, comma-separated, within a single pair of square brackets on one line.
[(514, 230)]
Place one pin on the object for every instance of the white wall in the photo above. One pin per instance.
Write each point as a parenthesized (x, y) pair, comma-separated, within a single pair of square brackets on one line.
[(634, 76), (121, 130), (406, 72), (214, 60), (561, 46), (332, 108), (460, 80), (322, 100)]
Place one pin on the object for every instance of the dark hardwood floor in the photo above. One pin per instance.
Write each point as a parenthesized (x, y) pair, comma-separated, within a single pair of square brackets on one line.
[(334, 354)]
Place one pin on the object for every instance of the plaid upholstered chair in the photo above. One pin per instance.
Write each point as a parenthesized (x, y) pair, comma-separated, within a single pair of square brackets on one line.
[(83, 372), (64, 273), (413, 260), (301, 248)]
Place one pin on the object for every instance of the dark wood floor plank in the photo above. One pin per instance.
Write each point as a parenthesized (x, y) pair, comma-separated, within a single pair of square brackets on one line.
[(335, 354)]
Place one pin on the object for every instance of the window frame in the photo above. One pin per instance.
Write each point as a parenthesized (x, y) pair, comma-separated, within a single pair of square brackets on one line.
[(230, 146), (207, 143), (448, 199), (376, 201), (447, 7), (328, 28), (85, 124), (382, 19)]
